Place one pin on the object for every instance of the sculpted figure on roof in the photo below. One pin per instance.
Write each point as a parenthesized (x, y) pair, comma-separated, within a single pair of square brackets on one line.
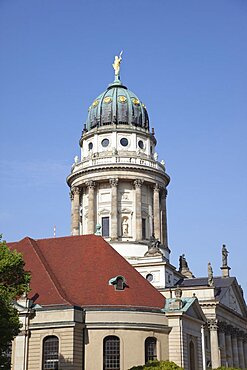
[(116, 64), (224, 255)]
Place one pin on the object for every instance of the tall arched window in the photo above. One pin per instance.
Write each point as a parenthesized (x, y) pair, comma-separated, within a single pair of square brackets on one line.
[(150, 349), (50, 352), (111, 353)]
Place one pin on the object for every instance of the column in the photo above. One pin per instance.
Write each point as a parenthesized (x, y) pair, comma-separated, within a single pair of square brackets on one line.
[(156, 201), (72, 210), (164, 239), (91, 208), (245, 350), (235, 348), (138, 208), (214, 345), (229, 355), (75, 209), (240, 339), (222, 342), (114, 209)]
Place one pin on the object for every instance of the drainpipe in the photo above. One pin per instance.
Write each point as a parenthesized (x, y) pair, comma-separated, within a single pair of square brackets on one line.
[(203, 348), (181, 340)]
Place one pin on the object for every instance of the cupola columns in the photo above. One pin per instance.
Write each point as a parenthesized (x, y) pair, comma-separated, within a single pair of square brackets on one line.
[(156, 201), (75, 210), (164, 238), (138, 207), (114, 208), (91, 207)]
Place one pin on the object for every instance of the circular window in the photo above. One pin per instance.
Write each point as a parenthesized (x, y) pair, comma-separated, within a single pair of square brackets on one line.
[(149, 277), (90, 146), (140, 144), (105, 142), (124, 141)]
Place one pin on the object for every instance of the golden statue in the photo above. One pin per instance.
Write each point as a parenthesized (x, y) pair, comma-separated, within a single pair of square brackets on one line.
[(116, 64)]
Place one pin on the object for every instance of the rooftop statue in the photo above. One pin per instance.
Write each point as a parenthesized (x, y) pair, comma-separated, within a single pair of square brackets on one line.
[(210, 275), (224, 255), (116, 64), (153, 247), (183, 264)]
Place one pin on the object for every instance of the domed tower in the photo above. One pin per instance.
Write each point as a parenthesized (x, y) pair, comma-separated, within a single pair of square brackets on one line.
[(118, 182)]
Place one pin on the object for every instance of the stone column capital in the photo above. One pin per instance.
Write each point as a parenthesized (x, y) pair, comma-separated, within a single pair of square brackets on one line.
[(71, 194), (222, 326), (235, 332), (113, 182), (157, 188), (164, 193), (138, 183), (212, 324), (73, 191), (90, 184), (240, 334)]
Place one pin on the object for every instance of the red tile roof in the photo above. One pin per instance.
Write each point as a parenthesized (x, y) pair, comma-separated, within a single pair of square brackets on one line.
[(75, 270)]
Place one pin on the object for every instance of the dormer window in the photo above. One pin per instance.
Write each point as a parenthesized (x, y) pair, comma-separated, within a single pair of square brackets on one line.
[(119, 282)]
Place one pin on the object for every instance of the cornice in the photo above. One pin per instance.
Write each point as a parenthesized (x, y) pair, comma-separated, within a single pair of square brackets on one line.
[(112, 167)]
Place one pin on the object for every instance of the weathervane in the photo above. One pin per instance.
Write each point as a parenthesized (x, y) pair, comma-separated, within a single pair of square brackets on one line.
[(116, 65)]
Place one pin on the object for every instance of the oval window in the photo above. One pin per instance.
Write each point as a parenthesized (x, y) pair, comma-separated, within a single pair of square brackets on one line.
[(105, 142), (140, 144), (149, 277), (124, 141), (90, 146)]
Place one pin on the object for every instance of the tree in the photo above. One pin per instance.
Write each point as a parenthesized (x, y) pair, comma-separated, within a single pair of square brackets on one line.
[(158, 365), (14, 282)]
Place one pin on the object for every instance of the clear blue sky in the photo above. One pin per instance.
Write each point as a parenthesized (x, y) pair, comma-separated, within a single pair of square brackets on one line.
[(186, 60)]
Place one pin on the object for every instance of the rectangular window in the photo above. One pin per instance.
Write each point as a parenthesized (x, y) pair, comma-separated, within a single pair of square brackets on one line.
[(143, 228), (105, 226)]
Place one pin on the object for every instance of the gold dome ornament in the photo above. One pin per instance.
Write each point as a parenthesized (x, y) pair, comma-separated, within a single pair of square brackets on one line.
[(95, 103), (122, 99), (135, 101), (107, 100)]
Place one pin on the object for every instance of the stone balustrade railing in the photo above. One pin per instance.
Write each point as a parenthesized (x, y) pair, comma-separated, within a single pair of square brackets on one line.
[(97, 161)]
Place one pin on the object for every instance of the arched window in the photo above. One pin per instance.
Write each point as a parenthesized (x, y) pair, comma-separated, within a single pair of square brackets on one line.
[(111, 353), (192, 356), (50, 352), (150, 349)]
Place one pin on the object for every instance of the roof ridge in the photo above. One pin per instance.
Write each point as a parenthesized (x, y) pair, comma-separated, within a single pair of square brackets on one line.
[(48, 270)]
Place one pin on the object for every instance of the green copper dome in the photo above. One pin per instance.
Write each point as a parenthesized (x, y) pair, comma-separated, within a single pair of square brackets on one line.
[(117, 105)]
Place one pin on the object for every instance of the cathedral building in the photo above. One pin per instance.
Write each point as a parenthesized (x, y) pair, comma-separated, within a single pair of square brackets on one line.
[(107, 297)]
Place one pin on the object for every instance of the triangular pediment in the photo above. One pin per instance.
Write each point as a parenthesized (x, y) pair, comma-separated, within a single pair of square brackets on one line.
[(232, 297)]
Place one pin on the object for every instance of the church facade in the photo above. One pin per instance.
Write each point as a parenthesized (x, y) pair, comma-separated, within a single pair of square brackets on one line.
[(107, 297)]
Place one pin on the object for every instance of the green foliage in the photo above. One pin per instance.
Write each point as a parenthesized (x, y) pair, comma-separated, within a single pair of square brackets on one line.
[(158, 365), (14, 281)]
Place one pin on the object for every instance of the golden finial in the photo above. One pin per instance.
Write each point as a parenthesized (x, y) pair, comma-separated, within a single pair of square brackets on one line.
[(116, 64)]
